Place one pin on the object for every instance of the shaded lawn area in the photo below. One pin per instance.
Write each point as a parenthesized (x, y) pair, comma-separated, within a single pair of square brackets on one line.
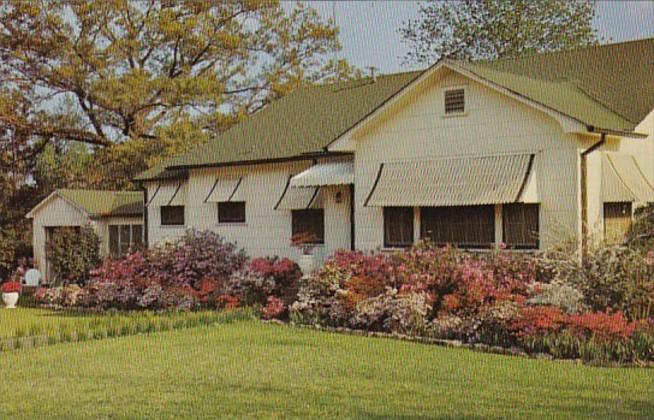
[(249, 369), (23, 318)]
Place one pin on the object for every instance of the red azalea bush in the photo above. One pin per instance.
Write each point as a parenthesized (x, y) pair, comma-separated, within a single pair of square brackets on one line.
[(263, 279), (274, 308), (11, 287)]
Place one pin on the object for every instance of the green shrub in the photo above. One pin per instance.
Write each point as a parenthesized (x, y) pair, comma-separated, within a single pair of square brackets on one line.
[(72, 253), (611, 277)]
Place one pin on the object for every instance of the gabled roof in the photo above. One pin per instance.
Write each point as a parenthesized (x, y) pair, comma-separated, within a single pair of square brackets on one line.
[(99, 203), (609, 87), (299, 124)]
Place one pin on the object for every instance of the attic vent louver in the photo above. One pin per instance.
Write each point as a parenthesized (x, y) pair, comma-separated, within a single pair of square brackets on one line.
[(455, 101)]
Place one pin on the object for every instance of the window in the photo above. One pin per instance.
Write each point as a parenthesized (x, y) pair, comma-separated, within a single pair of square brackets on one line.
[(520, 225), (172, 216), (617, 222), (231, 212), (124, 237), (455, 101), (309, 221), (464, 226), (398, 227)]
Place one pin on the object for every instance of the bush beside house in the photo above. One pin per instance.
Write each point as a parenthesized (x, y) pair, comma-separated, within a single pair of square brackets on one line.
[(73, 253)]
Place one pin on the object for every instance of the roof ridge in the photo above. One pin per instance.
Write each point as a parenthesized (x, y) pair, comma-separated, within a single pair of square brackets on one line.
[(562, 51)]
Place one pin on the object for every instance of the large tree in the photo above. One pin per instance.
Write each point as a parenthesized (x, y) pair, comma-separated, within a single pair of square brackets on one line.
[(92, 92), (102, 72), (490, 29)]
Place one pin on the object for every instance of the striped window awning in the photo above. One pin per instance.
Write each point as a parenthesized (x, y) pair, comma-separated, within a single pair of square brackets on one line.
[(299, 198), (327, 173), (460, 181), (623, 180), (224, 190), (168, 194)]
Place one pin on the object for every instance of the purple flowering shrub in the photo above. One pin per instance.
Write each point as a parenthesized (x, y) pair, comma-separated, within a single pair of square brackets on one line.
[(179, 275)]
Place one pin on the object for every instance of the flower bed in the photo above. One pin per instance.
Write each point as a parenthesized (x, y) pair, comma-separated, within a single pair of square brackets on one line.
[(497, 299), (200, 270)]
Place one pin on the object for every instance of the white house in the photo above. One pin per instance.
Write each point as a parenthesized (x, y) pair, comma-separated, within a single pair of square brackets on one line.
[(526, 152), (115, 216)]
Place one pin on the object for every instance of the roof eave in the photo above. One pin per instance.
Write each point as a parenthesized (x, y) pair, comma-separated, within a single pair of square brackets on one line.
[(304, 156), (612, 132)]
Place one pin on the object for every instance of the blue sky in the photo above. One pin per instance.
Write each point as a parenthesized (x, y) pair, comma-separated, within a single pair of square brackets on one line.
[(369, 33)]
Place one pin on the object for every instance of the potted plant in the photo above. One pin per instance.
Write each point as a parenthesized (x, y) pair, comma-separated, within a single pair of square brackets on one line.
[(10, 292), (305, 242)]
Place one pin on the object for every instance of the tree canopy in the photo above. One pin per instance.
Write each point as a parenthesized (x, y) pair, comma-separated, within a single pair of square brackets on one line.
[(109, 71), (93, 92), (491, 29)]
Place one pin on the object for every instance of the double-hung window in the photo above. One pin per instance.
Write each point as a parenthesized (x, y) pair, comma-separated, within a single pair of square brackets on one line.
[(398, 227), (309, 221), (617, 221), (124, 237), (172, 216), (461, 226), (231, 212)]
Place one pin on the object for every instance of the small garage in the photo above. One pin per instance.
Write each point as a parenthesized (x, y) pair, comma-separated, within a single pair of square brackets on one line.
[(115, 216)]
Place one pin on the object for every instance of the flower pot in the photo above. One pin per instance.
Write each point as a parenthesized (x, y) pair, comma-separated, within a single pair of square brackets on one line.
[(307, 264), (10, 299)]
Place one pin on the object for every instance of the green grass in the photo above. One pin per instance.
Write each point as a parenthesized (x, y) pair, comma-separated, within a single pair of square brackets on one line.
[(248, 369), (23, 318)]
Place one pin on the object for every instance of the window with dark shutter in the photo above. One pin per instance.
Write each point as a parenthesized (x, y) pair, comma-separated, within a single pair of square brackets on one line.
[(617, 222), (172, 215), (311, 221), (463, 226), (231, 212), (521, 226), (398, 227), (455, 101)]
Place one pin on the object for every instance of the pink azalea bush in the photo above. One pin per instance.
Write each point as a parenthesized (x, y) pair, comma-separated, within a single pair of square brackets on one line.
[(499, 298)]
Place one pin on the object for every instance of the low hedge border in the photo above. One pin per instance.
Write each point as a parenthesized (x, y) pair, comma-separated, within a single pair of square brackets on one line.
[(479, 347), (111, 326)]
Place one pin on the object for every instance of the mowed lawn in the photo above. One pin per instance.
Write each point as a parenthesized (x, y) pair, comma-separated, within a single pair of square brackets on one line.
[(23, 318), (250, 369)]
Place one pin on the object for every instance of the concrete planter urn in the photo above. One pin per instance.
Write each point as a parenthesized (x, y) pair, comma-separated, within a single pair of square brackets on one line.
[(10, 299), (10, 292), (307, 263)]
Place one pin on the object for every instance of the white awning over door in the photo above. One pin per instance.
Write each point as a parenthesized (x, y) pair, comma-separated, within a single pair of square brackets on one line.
[(460, 181), (327, 173)]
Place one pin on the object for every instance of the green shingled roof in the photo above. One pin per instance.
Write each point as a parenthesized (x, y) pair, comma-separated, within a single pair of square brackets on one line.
[(105, 203), (301, 123), (607, 87)]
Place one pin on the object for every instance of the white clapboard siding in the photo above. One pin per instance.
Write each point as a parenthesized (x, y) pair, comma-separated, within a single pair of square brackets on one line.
[(492, 124)]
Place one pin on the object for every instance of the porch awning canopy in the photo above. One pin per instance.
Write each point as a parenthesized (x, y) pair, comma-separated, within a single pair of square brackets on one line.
[(224, 190), (623, 180), (327, 173), (299, 198), (459, 181), (168, 194)]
